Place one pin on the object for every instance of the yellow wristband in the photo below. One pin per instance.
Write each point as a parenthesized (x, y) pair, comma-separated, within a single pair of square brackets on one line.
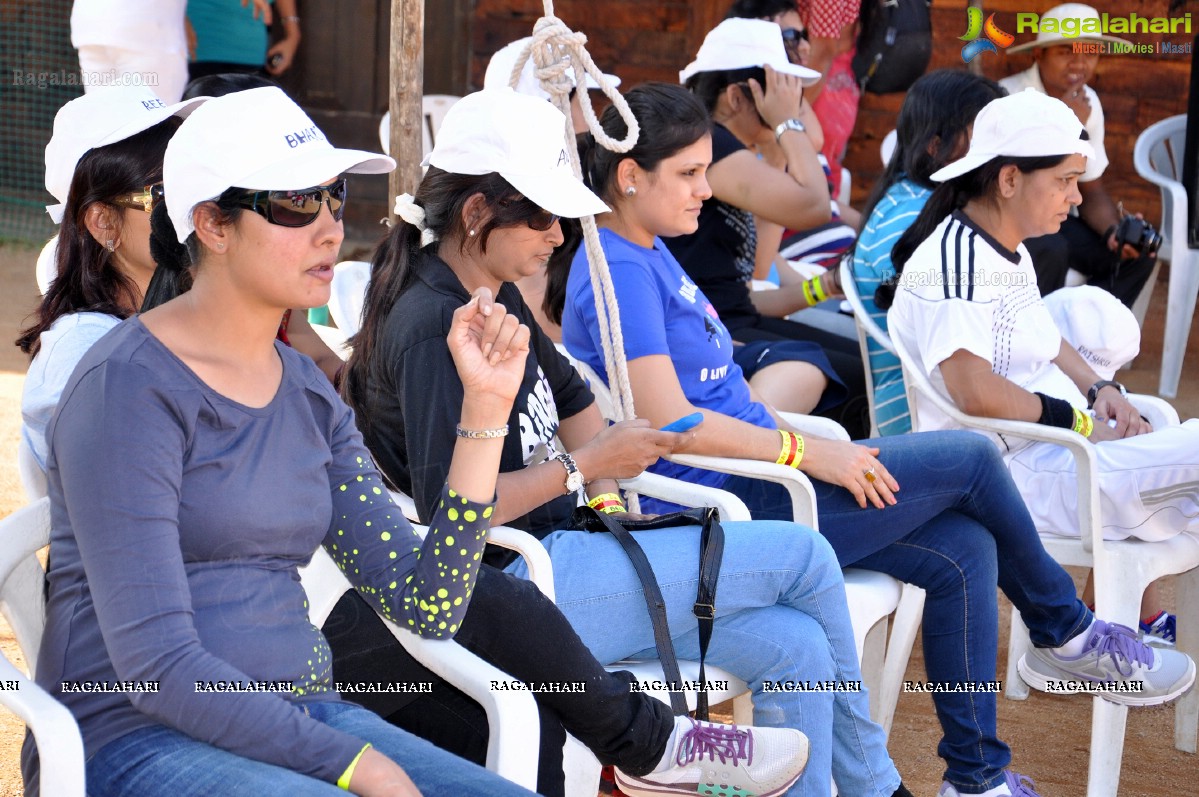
[(798, 451), (594, 503), (807, 293), (344, 781), (818, 288), (1084, 424), (785, 451)]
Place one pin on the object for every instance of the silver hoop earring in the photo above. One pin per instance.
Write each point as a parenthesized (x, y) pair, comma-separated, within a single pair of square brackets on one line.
[(110, 245), (630, 191)]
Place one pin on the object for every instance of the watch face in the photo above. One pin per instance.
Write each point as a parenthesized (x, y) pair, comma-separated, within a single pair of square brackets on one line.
[(574, 482)]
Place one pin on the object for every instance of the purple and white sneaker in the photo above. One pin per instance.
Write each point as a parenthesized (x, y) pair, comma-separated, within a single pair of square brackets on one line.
[(1115, 665)]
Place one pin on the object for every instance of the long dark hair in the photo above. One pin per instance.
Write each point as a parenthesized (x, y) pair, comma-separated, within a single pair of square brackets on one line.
[(933, 122), (175, 260), (948, 197), (443, 196), (708, 86), (88, 279), (671, 119)]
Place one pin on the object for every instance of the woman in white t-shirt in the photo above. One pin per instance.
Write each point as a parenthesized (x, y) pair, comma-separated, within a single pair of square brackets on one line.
[(966, 304)]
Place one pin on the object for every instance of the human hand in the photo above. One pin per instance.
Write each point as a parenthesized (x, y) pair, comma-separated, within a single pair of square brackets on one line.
[(781, 98), (623, 450), (489, 346), (376, 775), (851, 466), (285, 49), (633, 516), (262, 9), (1127, 251), (1111, 406), (1076, 100)]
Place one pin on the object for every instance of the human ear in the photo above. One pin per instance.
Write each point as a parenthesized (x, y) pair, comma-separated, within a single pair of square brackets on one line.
[(628, 173), (1009, 181), (103, 223), (210, 230), (475, 214)]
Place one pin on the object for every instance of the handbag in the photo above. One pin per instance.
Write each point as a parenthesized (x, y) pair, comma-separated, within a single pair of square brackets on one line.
[(711, 542), (894, 46)]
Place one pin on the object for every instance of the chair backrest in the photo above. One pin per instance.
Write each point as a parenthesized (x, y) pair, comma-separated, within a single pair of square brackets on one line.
[(33, 478), (334, 338), (603, 396), (22, 579), (887, 148), (47, 265), (348, 294), (867, 329), (1157, 157), (435, 107)]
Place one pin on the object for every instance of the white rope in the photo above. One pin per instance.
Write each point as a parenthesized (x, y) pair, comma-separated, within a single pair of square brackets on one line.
[(557, 50)]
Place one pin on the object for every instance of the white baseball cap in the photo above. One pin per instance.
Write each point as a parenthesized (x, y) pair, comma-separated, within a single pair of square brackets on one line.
[(499, 72), (1025, 124), (743, 44), (1064, 15), (1098, 325), (104, 116), (522, 139), (255, 139)]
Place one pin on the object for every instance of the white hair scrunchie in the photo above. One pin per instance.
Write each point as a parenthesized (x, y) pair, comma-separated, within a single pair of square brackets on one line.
[(407, 209)]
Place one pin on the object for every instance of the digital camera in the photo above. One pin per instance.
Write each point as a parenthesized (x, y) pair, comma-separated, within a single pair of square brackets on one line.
[(1138, 234)]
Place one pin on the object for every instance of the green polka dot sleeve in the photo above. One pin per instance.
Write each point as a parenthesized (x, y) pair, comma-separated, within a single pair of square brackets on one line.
[(422, 586)]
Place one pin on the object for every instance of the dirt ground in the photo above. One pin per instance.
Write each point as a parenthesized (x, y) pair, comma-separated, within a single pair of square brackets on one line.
[(1049, 735)]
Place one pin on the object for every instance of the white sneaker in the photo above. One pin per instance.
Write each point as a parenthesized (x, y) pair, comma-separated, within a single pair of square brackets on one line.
[(726, 761)]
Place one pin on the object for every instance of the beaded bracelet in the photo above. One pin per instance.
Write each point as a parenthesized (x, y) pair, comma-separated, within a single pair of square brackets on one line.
[(482, 434), (791, 453), (1084, 424), (607, 503)]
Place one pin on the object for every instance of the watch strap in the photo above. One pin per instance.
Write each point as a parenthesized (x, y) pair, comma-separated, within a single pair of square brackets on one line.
[(1093, 393), (788, 124)]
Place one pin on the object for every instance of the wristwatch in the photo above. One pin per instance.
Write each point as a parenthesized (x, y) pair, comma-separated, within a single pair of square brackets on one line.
[(574, 476), (1093, 393), (789, 124)]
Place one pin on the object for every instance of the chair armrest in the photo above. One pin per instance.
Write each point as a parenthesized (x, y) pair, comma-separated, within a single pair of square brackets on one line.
[(1157, 410), (512, 719), (676, 491), (537, 558), (815, 425), (1083, 451), (803, 497), (59, 745)]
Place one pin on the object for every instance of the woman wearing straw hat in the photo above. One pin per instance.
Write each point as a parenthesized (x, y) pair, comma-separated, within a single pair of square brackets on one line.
[(1087, 240), (485, 215)]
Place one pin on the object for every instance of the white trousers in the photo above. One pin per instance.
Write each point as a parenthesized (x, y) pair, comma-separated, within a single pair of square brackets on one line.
[(1149, 485), (165, 73)]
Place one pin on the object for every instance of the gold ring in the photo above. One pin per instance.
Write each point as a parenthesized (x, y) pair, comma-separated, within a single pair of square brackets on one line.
[(869, 474)]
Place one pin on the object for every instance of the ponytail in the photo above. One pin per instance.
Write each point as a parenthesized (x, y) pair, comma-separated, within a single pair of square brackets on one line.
[(172, 275)]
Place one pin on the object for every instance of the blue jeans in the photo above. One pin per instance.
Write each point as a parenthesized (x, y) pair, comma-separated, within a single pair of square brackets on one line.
[(959, 528), (158, 760), (780, 616)]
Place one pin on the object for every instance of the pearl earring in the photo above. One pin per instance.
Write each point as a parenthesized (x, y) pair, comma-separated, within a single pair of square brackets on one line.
[(630, 191), (110, 245), (471, 233)]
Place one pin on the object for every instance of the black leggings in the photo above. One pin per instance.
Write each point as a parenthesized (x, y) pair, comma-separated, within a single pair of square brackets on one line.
[(511, 625), (1076, 246)]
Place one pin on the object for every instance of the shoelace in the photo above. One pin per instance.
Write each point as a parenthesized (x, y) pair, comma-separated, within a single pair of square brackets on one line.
[(1121, 643), (1163, 627), (705, 739), (1020, 785)]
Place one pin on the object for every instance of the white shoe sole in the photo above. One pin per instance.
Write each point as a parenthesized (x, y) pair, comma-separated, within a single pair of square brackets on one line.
[(1040, 682)]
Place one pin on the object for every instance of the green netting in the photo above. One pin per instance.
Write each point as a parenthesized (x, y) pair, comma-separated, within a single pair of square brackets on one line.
[(39, 71)]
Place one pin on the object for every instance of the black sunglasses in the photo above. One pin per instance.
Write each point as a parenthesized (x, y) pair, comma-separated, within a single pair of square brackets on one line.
[(146, 199), (794, 36), (296, 208), (537, 217)]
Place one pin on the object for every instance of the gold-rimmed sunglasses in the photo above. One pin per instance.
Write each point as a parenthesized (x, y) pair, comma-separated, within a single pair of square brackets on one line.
[(145, 199)]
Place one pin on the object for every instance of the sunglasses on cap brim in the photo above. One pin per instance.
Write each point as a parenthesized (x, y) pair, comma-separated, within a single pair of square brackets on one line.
[(297, 208), (146, 199)]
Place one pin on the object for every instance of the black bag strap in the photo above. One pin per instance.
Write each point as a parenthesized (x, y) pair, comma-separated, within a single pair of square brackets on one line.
[(710, 554)]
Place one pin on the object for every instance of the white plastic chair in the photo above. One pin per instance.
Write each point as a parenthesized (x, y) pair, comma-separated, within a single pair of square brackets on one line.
[(1122, 571), (335, 339), (511, 716), (887, 148), (872, 596), (435, 107), (867, 329), (1157, 157), (47, 266), (22, 585), (347, 294), (33, 478)]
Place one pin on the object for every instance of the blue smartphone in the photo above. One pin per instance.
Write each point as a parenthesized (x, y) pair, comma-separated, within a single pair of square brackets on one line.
[(684, 424)]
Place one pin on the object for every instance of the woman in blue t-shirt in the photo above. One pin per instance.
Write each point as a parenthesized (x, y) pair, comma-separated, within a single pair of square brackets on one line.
[(956, 528)]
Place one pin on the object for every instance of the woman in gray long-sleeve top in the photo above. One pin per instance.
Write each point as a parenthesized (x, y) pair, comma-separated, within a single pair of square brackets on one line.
[(191, 475)]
